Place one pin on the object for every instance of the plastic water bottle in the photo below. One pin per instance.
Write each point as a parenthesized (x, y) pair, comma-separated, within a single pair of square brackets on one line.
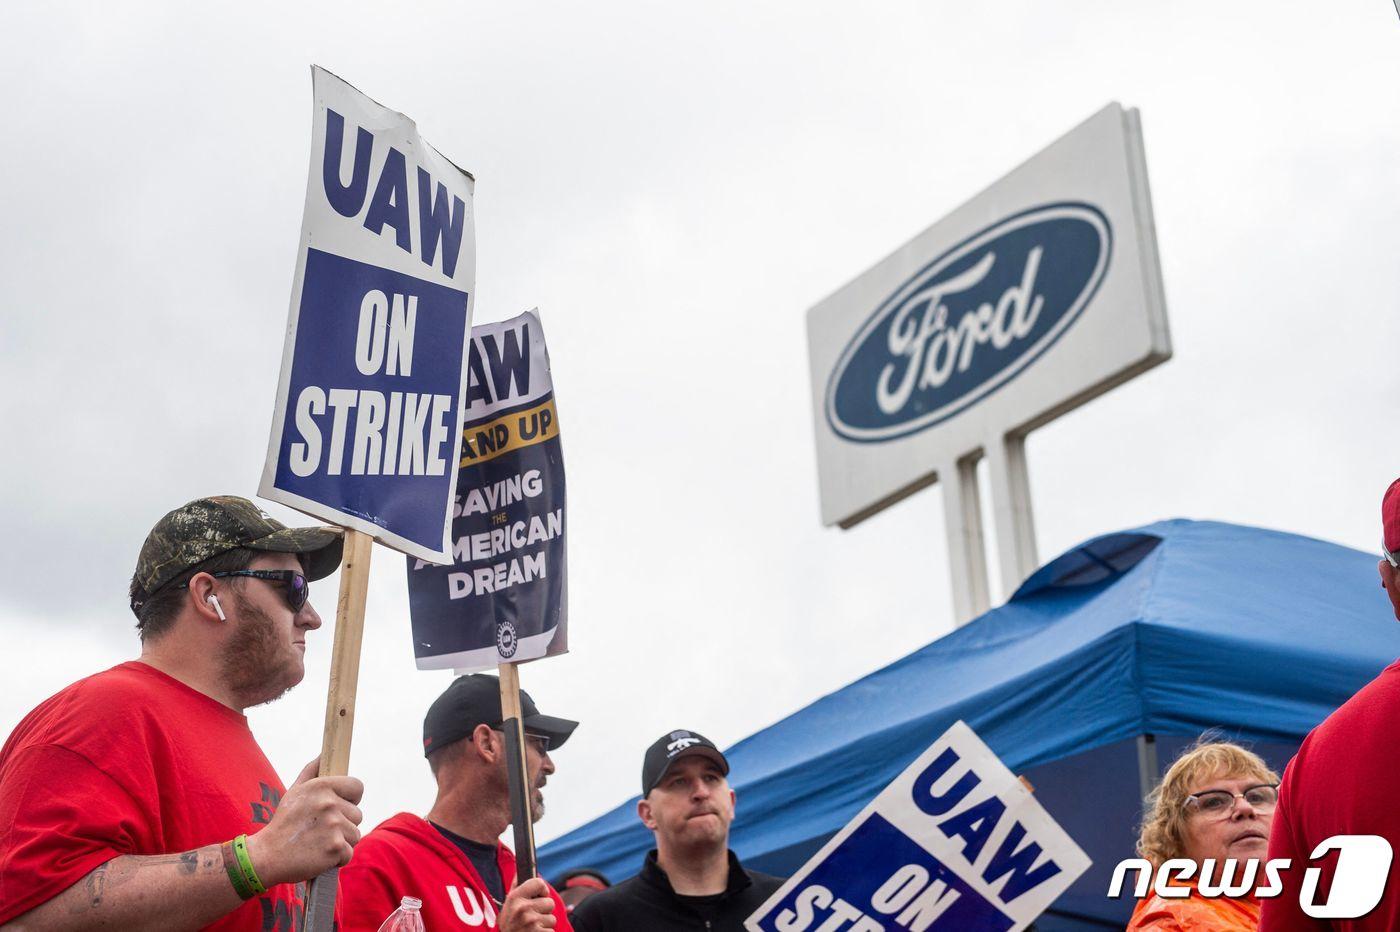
[(406, 918)]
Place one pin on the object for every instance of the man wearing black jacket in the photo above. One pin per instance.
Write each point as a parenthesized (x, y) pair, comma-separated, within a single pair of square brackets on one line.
[(690, 880)]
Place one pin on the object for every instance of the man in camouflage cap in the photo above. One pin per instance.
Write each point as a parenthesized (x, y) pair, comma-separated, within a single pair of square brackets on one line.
[(209, 527), (138, 797)]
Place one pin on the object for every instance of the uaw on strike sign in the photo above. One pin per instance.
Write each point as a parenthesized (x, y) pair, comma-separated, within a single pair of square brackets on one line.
[(369, 405), (504, 599), (955, 844)]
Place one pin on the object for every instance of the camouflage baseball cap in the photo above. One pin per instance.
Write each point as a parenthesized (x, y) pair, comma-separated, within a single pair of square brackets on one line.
[(207, 527)]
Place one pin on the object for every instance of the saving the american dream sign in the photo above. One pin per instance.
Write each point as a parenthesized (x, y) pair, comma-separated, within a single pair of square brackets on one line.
[(504, 598), (369, 404), (955, 844)]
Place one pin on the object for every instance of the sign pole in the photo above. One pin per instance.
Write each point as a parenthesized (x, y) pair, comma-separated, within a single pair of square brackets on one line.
[(518, 773), (340, 699)]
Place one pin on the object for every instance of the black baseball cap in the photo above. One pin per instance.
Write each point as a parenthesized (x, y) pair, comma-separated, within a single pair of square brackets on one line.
[(670, 748), (476, 700)]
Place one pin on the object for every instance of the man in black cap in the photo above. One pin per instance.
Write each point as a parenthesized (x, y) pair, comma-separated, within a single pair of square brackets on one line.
[(691, 880), (452, 859), (138, 798)]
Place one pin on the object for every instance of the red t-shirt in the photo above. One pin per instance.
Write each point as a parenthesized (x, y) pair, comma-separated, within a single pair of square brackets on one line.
[(1343, 781), (406, 856), (131, 761)]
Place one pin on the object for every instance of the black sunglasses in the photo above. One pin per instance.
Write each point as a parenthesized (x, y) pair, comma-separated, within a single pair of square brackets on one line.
[(298, 590)]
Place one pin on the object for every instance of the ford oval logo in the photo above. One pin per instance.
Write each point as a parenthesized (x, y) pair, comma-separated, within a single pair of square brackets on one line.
[(969, 322)]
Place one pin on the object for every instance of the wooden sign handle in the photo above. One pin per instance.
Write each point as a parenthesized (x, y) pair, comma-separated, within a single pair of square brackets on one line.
[(345, 654), (340, 699), (518, 774)]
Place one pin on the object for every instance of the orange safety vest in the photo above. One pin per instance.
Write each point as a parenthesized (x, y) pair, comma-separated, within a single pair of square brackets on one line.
[(1195, 913)]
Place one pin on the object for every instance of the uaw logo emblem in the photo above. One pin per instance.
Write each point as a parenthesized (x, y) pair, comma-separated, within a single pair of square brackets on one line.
[(506, 641), (680, 740), (969, 322)]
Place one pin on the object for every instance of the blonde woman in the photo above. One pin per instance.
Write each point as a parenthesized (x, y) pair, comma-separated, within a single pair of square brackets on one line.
[(1215, 803)]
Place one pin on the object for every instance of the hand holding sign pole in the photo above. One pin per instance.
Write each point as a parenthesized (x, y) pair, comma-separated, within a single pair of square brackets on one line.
[(370, 402)]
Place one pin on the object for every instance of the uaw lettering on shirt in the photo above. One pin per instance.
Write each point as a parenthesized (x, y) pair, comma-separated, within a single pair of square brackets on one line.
[(473, 909), (364, 431), (913, 897)]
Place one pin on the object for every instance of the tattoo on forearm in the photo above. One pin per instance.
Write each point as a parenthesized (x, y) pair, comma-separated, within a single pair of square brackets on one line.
[(99, 882), (187, 860), (94, 885)]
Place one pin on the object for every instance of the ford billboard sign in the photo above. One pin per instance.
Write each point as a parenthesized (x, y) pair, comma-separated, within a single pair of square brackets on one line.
[(1035, 296), (969, 321)]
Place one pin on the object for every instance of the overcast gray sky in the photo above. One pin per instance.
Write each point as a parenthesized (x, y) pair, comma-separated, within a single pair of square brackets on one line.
[(674, 185)]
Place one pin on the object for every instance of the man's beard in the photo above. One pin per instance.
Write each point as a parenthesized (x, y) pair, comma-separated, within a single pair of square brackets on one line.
[(536, 792), (255, 664), (536, 804)]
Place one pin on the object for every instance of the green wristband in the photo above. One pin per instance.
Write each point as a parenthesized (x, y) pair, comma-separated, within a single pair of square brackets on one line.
[(235, 873), (245, 863)]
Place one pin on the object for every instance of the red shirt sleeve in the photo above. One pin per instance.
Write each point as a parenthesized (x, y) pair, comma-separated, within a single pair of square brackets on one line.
[(60, 817), (1282, 913)]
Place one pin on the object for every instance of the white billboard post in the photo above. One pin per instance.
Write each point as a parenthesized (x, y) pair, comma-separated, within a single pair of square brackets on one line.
[(1039, 294)]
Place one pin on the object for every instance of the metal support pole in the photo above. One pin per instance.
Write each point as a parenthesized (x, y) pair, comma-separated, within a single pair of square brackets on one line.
[(1011, 511), (967, 553), (1148, 773)]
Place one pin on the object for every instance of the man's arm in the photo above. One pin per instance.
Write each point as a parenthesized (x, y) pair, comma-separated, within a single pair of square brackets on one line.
[(314, 829), (161, 891)]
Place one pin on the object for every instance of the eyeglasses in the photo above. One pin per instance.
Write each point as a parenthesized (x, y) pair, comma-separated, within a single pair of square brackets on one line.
[(539, 742), (1390, 558), (1218, 804), (297, 590)]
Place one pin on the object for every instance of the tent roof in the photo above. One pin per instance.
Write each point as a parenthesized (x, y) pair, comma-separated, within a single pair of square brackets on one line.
[(1170, 629)]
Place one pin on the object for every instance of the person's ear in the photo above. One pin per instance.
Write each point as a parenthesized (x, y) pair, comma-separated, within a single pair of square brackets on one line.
[(205, 600), (486, 744), (644, 813)]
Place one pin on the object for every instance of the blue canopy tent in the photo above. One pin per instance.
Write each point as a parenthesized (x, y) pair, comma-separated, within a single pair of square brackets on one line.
[(1167, 631)]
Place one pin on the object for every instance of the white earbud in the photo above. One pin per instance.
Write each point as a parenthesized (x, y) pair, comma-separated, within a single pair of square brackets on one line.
[(218, 609)]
